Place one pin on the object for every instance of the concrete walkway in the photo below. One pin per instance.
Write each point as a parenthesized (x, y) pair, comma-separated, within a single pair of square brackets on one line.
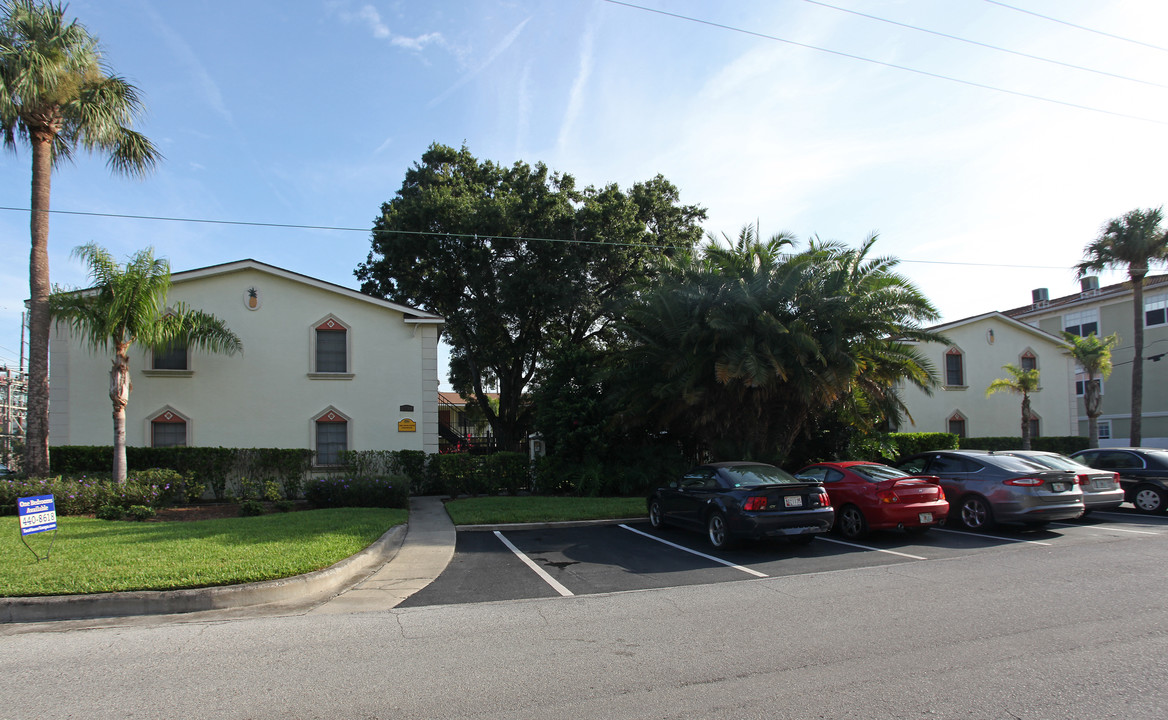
[(403, 561), (425, 553)]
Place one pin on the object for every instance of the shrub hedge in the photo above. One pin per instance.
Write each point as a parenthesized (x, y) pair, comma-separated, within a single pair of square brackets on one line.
[(389, 491), (1059, 444)]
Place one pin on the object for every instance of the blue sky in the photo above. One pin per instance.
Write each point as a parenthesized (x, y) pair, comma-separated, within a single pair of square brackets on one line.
[(309, 112)]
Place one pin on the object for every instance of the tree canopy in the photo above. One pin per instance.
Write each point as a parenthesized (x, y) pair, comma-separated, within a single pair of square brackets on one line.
[(1021, 382), (743, 348), (57, 95), (517, 258)]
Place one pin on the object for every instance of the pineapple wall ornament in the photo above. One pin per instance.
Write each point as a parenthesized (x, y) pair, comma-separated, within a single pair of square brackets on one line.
[(252, 298)]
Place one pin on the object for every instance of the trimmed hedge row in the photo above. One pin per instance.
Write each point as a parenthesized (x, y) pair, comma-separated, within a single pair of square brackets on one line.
[(1064, 444)]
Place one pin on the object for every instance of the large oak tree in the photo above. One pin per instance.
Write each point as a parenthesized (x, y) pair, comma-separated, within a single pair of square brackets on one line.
[(517, 258)]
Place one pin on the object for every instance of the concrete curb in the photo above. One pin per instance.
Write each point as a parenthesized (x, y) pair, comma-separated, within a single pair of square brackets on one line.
[(548, 525), (301, 589)]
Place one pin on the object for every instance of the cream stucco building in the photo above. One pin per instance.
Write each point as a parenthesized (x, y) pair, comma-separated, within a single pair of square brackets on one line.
[(979, 347), (323, 367)]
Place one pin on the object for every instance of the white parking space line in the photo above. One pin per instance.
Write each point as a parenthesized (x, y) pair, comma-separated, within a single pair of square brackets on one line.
[(746, 570), (992, 537), (1107, 527), (565, 592), (865, 547)]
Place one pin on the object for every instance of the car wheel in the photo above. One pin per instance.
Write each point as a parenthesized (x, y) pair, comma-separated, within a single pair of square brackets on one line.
[(1149, 498), (974, 513), (655, 514), (801, 539), (716, 531), (850, 522)]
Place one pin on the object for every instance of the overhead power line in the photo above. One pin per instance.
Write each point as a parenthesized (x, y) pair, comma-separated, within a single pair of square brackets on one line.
[(905, 68), (481, 236), (1077, 27), (987, 45)]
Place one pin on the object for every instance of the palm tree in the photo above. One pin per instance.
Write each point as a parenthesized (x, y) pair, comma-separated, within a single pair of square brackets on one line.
[(127, 306), (1022, 382), (1093, 354), (1134, 241), (57, 95)]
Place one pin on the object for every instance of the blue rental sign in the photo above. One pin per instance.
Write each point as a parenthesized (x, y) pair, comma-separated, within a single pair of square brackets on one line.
[(37, 514)]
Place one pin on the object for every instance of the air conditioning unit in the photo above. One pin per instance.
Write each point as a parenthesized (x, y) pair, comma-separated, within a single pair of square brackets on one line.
[(1089, 283), (1039, 295)]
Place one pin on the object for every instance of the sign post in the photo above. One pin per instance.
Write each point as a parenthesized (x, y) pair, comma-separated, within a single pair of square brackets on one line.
[(37, 514)]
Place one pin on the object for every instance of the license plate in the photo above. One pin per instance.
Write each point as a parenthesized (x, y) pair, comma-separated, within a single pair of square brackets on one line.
[(1058, 487), (925, 517), (1104, 485), (793, 501)]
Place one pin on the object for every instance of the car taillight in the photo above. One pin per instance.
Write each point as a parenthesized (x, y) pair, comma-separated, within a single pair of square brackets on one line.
[(940, 494), (1082, 479), (823, 500), (1115, 476), (888, 496), (755, 503), (1025, 481)]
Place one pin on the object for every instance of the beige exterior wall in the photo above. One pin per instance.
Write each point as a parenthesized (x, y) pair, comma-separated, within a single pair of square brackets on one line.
[(1001, 413), (270, 395), (1115, 315)]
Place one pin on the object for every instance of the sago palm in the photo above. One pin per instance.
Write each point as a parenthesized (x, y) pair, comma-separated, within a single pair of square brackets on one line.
[(56, 95), (1021, 382), (1093, 354), (1134, 241), (127, 306)]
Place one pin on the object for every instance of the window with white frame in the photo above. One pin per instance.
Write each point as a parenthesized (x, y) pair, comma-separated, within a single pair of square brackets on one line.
[(1082, 323), (956, 424), (168, 429), (954, 368), (330, 348), (332, 437), (1081, 382), (1104, 429), (170, 358), (1156, 310), (1028, 361)]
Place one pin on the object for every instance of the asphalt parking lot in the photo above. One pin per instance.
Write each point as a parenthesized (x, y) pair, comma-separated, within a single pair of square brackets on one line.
[(514, 564)]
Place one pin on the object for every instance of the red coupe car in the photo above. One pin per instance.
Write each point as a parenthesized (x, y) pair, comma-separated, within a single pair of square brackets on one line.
[(870, 496)]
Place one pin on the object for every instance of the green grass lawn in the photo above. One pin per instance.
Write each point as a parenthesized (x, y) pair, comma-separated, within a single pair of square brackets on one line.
[(497, 510), (92, 556)]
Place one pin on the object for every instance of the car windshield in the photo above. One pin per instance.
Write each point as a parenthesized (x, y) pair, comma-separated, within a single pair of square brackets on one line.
[(877, 473), (755, 475), (1056, 462)]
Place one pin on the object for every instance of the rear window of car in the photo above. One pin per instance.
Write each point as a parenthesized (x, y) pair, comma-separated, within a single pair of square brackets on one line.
[(1014, 464), (755, 475), (877, 473), (1057, 462)]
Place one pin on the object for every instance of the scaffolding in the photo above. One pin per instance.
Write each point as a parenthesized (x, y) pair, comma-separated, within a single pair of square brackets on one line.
[(13, 414)]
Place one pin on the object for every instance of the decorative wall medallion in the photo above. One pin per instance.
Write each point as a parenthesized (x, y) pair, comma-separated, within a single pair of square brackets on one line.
[(251, 298), (331, 416)]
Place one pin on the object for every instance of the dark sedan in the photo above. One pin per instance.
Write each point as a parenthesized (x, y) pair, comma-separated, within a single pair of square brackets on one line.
[(984, 488), (736, 500), (1143, 473)]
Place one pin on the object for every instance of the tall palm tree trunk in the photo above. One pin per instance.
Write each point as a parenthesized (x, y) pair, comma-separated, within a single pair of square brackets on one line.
[(1091, 404), (36, 448), (1025, 421), (119, 392), (1137, 387)]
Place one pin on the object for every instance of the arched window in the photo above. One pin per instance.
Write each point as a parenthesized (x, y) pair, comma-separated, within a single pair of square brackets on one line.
[(168, 429), (1028, 360), (331, 430)]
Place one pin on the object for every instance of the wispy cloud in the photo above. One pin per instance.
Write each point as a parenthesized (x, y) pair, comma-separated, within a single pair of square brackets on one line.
[(368, 15), (182, 50), (579, 85), (496, 51)]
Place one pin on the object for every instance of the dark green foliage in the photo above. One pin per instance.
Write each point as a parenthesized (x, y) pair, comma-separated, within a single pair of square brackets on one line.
[(83, 495), (140, 512), (629, 470), (384, 491), (411, 463), (1064, 445), (460, 228), (109, 512), (219, 468), (284, 506), (251, 508)]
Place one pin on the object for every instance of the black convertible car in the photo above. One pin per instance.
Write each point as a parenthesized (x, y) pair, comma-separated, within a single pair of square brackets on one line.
[(733, 500)]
